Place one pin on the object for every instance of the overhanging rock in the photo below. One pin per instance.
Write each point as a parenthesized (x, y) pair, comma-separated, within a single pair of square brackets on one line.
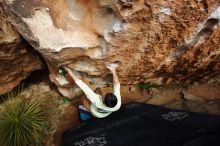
[(156, 41)]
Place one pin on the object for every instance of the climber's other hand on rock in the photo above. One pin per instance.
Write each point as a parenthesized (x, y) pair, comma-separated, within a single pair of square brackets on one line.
[(112, 66), (67, 69)]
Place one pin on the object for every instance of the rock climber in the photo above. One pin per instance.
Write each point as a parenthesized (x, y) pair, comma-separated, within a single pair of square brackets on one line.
[(95, 104)]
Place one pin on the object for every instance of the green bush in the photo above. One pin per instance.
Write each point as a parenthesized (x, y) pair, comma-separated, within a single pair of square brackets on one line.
[(21, 122), (147, 86)]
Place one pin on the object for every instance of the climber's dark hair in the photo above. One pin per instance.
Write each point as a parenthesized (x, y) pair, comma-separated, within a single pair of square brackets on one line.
[(110, 100)]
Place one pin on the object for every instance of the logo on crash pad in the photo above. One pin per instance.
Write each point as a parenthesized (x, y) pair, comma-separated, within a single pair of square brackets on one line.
[(92, 141), (173, 115)]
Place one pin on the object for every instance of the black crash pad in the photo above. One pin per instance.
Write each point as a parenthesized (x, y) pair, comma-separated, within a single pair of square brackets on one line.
[(138, 124)]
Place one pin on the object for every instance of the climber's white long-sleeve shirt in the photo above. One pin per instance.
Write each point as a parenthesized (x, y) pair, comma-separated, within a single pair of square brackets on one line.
[(97, 107)]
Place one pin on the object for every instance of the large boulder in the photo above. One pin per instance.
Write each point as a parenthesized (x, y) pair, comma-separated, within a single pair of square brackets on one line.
[(17, 60), (156, 41)]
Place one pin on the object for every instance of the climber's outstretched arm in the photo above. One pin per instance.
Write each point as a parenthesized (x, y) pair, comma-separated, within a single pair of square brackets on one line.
[(115, 77), (116, 84), (74, 77), (88, 92), (112, 67)]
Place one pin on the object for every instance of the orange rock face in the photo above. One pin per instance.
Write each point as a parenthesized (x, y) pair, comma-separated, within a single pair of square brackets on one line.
[(16, 60), (156, 41)]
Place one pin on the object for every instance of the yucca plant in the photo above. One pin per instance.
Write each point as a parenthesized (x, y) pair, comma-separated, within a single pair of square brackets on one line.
[(21, 122)]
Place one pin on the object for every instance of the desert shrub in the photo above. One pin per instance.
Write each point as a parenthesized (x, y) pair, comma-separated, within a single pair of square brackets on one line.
[(22, 122)]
